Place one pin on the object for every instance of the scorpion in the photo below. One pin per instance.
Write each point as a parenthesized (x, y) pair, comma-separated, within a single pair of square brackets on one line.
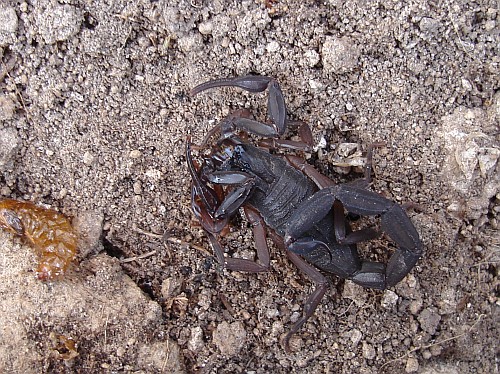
[(300, 209)]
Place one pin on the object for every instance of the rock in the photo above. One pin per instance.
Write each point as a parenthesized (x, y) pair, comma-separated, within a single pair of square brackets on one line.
[(389, 299), (8, 25), (470, 153), (229, 338), (9, 146), (195, 343), (354, 292), (448, 303), (311, 58), (88, 225), (429, 320), (57, 23), (7, 107), (411, 365), (162, 357), (339, 55), (368, 351), (441, 368), (355, 335), (190, 43), (205, 28)]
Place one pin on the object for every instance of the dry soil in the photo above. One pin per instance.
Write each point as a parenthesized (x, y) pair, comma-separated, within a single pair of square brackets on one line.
[(94, 115)]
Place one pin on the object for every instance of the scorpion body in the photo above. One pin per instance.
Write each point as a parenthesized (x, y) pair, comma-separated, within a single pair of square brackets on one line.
[(278, 189), (304, 209)]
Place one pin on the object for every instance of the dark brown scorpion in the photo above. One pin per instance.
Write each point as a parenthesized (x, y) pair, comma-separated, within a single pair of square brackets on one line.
[(301, 209)]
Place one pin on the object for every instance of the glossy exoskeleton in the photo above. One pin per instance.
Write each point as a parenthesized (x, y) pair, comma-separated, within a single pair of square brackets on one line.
[(284, 196)]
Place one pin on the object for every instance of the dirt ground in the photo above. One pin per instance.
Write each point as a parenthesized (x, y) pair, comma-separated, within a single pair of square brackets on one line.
[(94, 115)]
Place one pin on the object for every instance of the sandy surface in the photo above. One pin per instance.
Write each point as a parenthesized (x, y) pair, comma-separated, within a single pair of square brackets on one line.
[(94, 114)]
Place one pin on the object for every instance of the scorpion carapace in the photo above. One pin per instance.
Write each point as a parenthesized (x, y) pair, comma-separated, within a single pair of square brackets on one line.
[(286, 197), (50, 232)]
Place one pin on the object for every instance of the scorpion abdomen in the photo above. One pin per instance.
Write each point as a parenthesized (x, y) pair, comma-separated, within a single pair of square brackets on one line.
[(278, 199)]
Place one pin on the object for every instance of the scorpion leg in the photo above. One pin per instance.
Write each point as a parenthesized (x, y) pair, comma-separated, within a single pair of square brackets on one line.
[(300, 164), (305, 132), (255, 83), (262, 250), (259, 233), (340, 226), (312, 301), (367, 167), (394, 222), (306, 140)]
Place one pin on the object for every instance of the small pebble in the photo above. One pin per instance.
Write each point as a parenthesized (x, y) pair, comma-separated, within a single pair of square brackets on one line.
[(426, 354), (411, 365), (229, 338), (272, 313), (272, 47), (89, 226), (8, 25), (7, 107), (137, 186), (195, 343), (88, 158), (9, 146), (436, 349), (415, 306), (389, 299), (58, 23), (340, 55), (429, 320), (356, 336), (205, 28), (354, 292), (312, 58), (368, 351), (135, 153)]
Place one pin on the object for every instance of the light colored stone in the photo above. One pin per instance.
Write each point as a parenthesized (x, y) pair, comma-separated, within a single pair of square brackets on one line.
[(229, 337)]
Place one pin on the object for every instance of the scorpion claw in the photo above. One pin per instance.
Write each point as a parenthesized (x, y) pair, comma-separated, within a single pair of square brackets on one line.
[(255, 84), (371, 274)]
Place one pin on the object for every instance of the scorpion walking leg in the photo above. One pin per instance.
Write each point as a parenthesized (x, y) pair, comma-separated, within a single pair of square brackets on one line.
[(367, 167), (241, 264), (312, 301), (259, 233), (306, 140), (300, 164), (340, 225)]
